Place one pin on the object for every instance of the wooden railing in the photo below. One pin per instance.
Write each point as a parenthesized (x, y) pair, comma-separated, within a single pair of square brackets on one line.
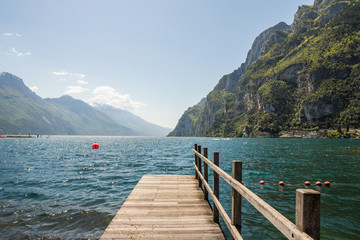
[(307, 201)]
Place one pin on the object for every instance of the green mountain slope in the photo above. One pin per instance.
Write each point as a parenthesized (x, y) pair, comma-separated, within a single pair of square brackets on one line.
[(305, 78), (23, 112), (82, 119)]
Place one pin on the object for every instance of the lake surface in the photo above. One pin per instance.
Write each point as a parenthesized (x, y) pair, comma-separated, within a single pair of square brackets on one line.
[(60, 187)]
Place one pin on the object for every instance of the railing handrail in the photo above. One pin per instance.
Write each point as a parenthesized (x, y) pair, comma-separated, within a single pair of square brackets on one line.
[(234, 232), (288, 228)]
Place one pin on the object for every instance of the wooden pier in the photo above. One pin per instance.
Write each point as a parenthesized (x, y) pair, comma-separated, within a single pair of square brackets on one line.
[(164, 207), (177, 207)]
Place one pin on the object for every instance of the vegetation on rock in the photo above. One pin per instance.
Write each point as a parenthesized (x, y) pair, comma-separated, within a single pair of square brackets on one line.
[(308, 77)]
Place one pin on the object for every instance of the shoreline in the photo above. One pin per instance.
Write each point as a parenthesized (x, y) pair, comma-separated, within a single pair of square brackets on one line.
[(321, 133), (20, 136), (16, 136)]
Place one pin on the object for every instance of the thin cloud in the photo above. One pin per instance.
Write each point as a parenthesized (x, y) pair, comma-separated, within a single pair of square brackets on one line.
[(34, 88), (82, 82), (78, 75), (75, 90), (71, 77), (108, 95), (60, 73), (17, 53), (11, 34)]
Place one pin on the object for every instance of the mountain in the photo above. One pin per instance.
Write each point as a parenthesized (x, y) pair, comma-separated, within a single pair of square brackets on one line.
[(304, 76), (191, 122), (79, 118), (24, 112), (139, 126)]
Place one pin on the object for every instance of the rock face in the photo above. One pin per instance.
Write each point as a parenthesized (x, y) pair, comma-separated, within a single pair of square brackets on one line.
[(319, 14), (305, 75), (186, 125), (318, 110), (229, 81)]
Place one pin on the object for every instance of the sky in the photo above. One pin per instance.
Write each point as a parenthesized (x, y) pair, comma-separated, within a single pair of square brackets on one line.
[(154, 58)]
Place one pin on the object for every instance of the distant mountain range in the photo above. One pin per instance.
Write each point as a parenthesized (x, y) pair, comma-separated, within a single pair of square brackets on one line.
[(24, 112), (303, 76)]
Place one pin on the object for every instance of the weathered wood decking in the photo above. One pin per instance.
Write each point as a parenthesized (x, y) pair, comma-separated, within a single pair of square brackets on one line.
[(164, 207)]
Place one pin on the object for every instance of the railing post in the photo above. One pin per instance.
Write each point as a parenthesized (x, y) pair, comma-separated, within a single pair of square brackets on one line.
[(199, 165), (206, 194), (216, 187), (195, 148), (308, 212), (236, 197)]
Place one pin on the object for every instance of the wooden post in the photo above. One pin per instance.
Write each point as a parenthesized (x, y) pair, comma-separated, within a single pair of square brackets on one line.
[(236, 197), (199, 165), (206, 194), (195, 148), (216, 187), (308, 212)]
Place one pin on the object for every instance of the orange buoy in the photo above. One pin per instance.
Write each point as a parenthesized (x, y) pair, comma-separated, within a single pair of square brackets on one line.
[(95, 146), (318, 183), (327, 183), (307, 183), (242, 182), (262, 182), (281, 183)]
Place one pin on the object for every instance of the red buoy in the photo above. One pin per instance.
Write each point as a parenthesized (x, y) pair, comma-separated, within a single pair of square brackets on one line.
[(95, 146), (281, 183), (307, 183), (262, 182), (318, 183), (327, 183)]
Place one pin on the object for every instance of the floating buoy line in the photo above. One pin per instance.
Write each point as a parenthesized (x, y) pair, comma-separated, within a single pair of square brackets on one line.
[(282, 183)]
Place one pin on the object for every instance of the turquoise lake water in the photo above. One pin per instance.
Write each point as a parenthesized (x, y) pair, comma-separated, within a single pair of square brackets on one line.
[(60, 187)]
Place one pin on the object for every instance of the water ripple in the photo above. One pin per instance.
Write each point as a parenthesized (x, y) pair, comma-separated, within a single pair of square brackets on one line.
[(62, 188)]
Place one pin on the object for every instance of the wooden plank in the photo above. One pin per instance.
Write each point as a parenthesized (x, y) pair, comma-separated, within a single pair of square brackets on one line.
[(164, 207), (308, 212), (215, 187), (206, 176), (236, 197)]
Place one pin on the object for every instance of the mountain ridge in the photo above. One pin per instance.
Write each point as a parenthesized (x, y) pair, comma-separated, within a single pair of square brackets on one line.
[(306, 77), (24, 112), (131, 121)]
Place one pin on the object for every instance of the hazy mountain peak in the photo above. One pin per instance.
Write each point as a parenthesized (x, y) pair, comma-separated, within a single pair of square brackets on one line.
[(136, 123), (23, 112), (8, 80)]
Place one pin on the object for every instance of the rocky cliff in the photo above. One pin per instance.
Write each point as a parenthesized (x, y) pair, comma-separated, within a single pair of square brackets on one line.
[(302, 76), (204, 112), (229, 81)]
